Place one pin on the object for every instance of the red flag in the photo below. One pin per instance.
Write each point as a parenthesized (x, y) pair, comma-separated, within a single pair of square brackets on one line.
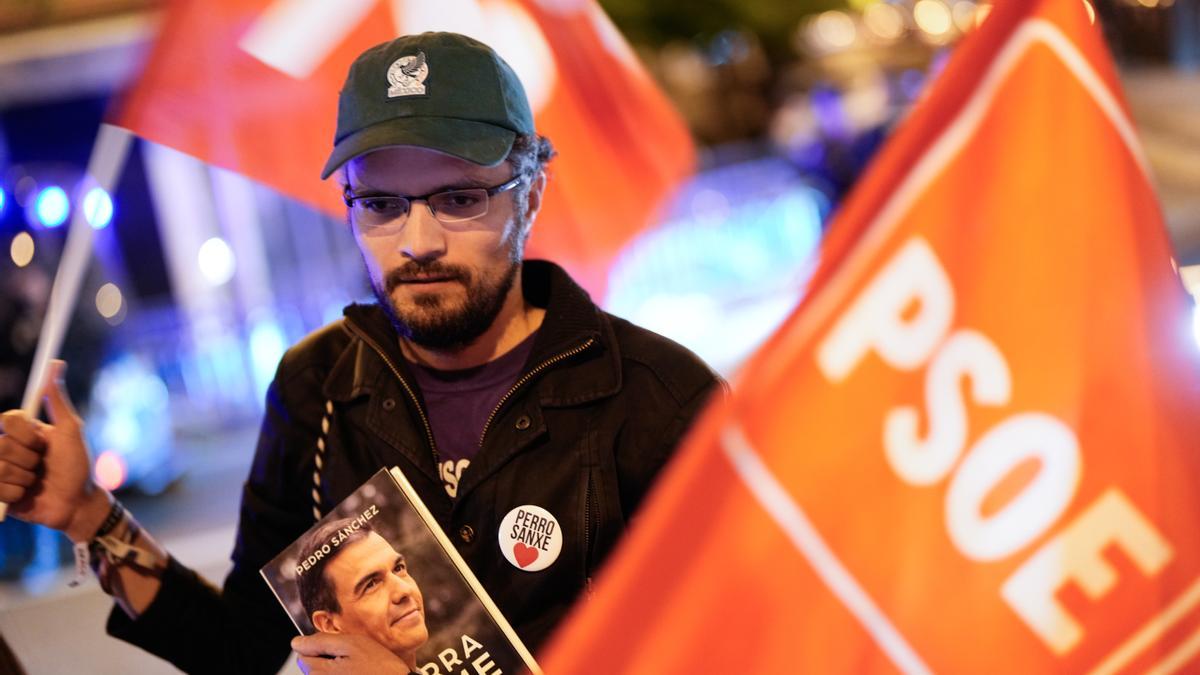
[(251, 85), (973, 446)]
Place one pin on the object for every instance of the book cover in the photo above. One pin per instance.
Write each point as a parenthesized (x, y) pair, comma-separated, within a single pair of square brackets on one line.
[(379, 565)]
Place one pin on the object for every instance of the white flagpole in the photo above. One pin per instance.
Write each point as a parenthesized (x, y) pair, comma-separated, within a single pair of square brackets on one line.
[(104, 166)]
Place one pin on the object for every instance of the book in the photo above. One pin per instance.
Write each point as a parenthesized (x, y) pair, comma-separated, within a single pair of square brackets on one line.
[(379, 565)]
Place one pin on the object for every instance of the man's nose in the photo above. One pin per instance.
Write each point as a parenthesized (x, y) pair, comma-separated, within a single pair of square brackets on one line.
[(399, 589), (422, 237)]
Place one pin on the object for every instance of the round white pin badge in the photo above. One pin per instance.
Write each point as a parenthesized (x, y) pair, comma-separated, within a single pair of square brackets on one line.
[(530, 538)]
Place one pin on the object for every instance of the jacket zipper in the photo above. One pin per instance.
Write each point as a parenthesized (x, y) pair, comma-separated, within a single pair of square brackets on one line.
[(526, 378), (437, 461), (587, 536)]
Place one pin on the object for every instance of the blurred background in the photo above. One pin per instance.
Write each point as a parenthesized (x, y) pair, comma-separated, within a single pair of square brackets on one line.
[(202, 278)]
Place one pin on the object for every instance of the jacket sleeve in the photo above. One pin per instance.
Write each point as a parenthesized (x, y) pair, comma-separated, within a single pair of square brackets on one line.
[(657, 425), (241, 628)]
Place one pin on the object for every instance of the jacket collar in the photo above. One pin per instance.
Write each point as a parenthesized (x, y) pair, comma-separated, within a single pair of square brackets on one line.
[(572, 321)]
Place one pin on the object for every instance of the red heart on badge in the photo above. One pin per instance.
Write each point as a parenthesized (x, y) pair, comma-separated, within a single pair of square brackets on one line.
[(525, 555)]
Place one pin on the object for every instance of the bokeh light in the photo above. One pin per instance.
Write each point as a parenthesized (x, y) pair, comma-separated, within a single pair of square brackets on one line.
[(109, 300), (963, 13), (98, 207), (216, 261), (22, 249), (110, 470), (52, 206), (933, 18), (884, 21), (832, 30), (23, 190)]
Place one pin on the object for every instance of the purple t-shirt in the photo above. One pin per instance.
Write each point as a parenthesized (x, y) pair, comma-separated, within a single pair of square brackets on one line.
[(458, 403)]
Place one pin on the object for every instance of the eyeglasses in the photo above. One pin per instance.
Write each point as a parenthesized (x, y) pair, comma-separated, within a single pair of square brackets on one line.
[(387, 214)]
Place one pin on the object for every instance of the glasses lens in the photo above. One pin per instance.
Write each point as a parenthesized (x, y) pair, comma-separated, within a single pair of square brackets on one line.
[(377, 211), (459, 204)]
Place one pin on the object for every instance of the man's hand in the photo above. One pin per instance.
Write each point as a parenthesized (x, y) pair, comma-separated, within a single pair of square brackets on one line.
[(45, 474), (339, 653)]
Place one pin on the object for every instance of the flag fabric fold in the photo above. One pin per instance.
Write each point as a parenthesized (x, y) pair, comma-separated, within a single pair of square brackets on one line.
[(972, 446)]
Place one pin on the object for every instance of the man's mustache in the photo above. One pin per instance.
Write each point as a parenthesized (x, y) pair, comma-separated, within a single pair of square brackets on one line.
[(417, 271)]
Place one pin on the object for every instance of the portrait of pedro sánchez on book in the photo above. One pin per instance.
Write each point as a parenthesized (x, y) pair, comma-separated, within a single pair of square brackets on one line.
[(378, 565)]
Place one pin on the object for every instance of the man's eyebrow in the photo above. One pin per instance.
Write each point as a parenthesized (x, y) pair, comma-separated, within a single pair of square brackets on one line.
[(399, 560), (358, 587)]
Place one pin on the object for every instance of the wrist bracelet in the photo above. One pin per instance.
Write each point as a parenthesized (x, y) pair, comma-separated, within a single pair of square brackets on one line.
[(115, 515)]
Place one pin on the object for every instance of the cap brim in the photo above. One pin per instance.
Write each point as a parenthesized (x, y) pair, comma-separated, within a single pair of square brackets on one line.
[(479, 142)]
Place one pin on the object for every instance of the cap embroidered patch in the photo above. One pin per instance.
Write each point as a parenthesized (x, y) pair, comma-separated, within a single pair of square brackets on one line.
[(530, 538), (406, 76)]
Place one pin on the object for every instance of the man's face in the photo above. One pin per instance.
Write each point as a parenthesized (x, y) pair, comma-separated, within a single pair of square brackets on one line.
[(376, 595), (443, 286)]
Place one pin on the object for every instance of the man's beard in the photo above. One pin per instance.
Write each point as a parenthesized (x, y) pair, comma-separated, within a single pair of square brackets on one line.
[(432, 324)]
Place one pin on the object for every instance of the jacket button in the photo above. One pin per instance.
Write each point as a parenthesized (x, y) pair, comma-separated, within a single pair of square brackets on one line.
[(389, 404), (523, 422), (466, 533)]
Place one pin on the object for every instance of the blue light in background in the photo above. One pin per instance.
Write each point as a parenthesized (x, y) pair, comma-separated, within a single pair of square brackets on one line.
[(129, 422), (1196, 324), (332, 311), (830, 112), (216, 261), (3, 200), (98, 207), (911, 83), (52, 206), (267, 344), (728, 264)]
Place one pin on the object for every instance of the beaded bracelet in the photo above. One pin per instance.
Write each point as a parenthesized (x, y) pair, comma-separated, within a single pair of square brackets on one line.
[(83, 550), (106, 553), (115, 514)]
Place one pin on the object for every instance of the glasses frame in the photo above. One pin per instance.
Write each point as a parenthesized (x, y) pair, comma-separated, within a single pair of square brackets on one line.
[(350, 198)]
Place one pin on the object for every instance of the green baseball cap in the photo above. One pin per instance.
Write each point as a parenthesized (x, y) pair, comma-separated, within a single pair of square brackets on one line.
[(442, 91)]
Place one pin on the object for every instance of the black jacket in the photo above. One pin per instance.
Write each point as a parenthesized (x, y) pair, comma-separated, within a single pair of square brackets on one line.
[(583, 433)]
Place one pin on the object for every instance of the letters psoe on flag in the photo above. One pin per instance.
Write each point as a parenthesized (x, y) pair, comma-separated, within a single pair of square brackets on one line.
[(971, 476), (876, 322), (880, 321)]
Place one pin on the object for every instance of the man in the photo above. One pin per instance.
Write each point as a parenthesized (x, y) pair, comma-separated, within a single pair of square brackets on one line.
[(530, 422), (362, 587)]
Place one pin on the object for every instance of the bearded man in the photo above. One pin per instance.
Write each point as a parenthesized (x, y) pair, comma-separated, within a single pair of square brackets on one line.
[(530, 422)]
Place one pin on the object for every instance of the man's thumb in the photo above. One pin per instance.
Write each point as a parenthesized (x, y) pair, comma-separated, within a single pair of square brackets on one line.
[(58, 404)]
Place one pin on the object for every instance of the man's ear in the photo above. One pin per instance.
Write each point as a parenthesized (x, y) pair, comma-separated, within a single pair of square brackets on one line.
[(535, 198), (325, 621)]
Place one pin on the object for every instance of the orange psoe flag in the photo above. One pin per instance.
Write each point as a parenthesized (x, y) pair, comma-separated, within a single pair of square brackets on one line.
[(251, 86), (972, 448)]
